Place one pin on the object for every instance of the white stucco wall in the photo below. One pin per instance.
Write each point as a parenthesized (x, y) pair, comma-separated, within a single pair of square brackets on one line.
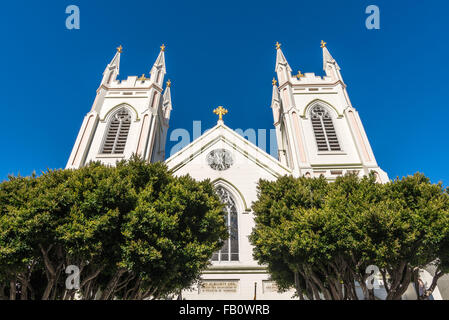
[(250, 164)]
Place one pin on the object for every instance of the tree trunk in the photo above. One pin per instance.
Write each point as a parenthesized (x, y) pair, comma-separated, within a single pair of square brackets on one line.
[(50, 272), (47, 292), (402, 279), (12, 290), (309, 288), (130, 294), (432, 287), (324, 290), (298, 286), (2, 292), (110, 288), (24, 291)]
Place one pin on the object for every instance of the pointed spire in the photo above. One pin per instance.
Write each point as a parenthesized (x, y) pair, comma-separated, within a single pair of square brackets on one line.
[(327, 57), (167, 93), (115, 63), (276, 103), (275, 96), (280, 58), (158, 70), (330, 65), (113, 68), (166, 104), (283, 70)]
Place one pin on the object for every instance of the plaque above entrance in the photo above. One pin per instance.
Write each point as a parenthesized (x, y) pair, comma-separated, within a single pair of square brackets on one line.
[(219, 286)]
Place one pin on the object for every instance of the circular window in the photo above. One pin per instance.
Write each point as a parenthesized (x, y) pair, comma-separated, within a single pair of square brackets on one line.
[(220, 159)]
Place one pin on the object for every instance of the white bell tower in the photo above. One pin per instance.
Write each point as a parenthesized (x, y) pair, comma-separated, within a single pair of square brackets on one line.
[(318, 130), (127, 117)]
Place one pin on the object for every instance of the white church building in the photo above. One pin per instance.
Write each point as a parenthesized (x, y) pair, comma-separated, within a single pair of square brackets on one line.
[(318, 131)]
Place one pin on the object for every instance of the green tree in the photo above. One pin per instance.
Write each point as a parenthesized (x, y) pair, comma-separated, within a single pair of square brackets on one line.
[(322, 244), (16, 255), (169, 238), (134, 231), (277, 205), (410, 232)]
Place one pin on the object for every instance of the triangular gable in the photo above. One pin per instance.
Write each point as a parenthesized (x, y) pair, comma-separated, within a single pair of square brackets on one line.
[(222, 135)]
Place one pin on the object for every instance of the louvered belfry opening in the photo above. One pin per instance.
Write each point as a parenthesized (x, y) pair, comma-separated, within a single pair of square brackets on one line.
[(323, 127), (117, 133)]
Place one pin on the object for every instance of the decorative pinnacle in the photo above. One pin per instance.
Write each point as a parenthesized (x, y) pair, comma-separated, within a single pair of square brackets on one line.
[(323, 44), (120, 49), (278, 45), (274, 82), (169, 83), (220, 111), (299, 75), (163, 47)]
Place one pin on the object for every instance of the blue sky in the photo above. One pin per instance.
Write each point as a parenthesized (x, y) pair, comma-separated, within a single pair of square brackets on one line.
[(222, 53)]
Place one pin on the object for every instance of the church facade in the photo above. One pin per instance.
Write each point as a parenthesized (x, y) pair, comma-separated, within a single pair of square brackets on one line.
[(318, 131), (129, 116)]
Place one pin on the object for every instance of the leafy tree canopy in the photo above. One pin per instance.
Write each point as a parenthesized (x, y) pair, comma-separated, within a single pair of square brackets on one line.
[(134, 231), (320, 237)]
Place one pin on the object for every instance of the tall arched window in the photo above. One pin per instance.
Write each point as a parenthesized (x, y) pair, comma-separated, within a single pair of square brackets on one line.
[(230, 250), (323, 127), (117, 133)]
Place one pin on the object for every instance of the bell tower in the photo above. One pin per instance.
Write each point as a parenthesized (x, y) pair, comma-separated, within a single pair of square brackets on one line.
[(318, 130), (127, 117)]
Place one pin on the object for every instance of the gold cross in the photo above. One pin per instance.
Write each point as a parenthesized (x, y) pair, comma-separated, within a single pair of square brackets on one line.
[(274, 82), (163, 47), (168, 83), (299, 75), (120, 49), (278, 45), (323, 44), (220, 111), (142, 78)]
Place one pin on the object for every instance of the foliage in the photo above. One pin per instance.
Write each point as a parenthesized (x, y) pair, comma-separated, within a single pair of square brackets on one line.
[(134, 231), (320, 237)]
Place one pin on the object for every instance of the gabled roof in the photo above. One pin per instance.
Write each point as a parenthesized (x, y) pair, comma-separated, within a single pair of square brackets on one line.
[(223, 134)]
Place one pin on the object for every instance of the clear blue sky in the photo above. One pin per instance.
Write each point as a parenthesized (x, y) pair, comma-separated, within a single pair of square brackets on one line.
[(222, 53)]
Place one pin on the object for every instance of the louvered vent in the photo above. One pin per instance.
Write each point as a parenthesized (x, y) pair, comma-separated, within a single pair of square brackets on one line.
[(117, 133), (323, 127)]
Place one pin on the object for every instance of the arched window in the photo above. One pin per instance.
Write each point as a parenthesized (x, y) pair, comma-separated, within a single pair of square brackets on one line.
[(230, 250), (323, 127), (117, 133)]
